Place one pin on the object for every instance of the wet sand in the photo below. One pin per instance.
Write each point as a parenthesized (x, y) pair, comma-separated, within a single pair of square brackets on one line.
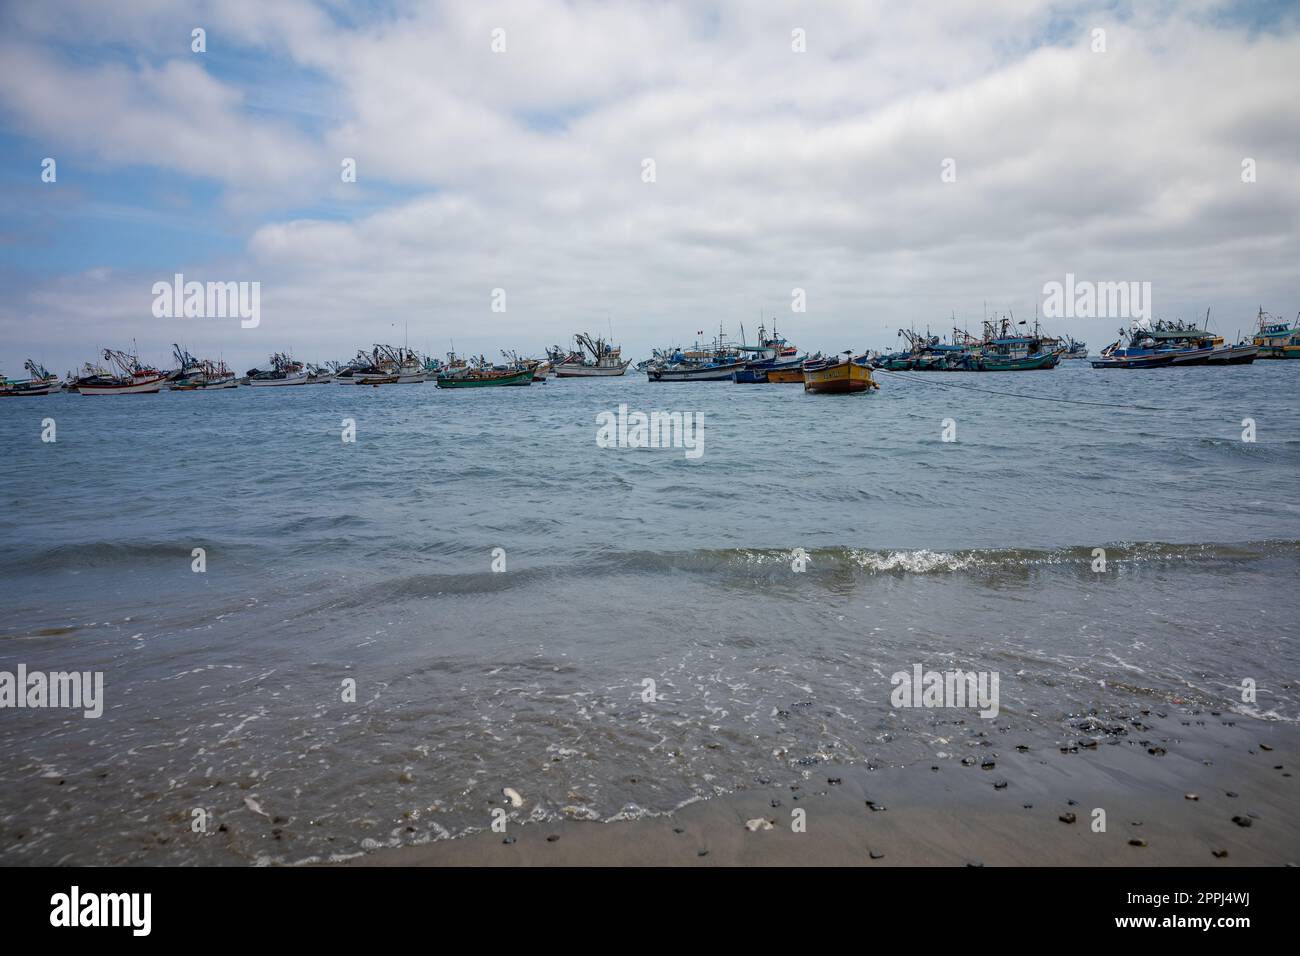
[(958, 814)]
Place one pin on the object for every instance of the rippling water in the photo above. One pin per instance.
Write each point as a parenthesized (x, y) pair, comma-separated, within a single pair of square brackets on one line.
[(372, 561)]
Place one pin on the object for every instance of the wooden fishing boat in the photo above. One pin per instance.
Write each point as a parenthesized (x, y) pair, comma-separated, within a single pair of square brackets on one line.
[(480, 377), (838, 375), (786, 376), (691, 372)]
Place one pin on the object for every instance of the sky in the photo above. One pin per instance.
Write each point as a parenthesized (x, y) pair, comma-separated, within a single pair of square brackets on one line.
[(898, 163)]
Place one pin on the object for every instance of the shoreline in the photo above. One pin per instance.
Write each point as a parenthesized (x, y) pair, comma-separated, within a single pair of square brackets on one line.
[(956, 815)]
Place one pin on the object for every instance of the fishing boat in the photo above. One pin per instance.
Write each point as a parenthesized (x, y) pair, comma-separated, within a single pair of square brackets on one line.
[(199, 375), (839, 375), (541, 370), (717, 362), (320, 374), (127, 376), (1073, 350), (479, 374), (40, 383), (283, 371), (1003, 349), (792, 374), (684, 371), (594, 358), (1170, 344), (771, 354), (1277, 339)]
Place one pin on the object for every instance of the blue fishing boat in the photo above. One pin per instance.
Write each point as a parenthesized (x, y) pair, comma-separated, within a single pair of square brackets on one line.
[(1171, 343)]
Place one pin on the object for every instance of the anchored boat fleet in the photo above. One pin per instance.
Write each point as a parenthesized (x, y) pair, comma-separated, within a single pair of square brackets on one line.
[(1005, 345)]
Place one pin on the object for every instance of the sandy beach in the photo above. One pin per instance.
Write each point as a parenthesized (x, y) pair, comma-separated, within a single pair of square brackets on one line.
[(1178, 805)]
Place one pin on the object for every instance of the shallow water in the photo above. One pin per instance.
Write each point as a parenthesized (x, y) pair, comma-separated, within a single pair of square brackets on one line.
[(372, 561)]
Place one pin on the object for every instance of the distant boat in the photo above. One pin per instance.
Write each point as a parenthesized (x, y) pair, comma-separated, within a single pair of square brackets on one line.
[(481, 376), (130, 377), (283, 371), (1275, 338), (838, 375), (198, 375), (40, 383), (594, 358), (1168, 344), (692, 372)]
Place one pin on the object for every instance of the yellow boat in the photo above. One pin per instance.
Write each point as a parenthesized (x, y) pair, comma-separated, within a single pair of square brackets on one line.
[(838, 375), (785, 376)]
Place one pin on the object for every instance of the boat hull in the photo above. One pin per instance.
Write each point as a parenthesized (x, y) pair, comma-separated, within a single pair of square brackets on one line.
[(299, 379), (785, 376), (27, 389), (705, 373), (148, 387), (209, 386), (839, 379), (590, 371), (522, 377)]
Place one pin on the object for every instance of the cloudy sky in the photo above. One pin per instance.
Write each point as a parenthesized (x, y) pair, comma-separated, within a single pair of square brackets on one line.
[(524, 169)]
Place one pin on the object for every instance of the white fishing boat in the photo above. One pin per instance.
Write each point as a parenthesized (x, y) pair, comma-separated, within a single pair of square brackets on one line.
[(283, 371), (199, 375), (594, 358), (130, 377), (41, 383)]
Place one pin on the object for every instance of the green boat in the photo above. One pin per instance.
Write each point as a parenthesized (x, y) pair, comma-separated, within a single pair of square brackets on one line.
[(485, 377), (1277, 339)]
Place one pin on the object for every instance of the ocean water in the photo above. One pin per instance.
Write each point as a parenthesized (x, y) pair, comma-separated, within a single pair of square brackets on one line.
[(329, 562)]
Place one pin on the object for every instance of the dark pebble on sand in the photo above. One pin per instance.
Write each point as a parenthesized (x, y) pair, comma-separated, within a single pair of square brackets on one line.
[(1071, 803), (876, 854), (1136, 842), (1066, 818), (967, 761), (988, 763), (775, 804), (1156, 751), (679, 830), (1029, 806), (701, 852), (975, 863), (1190, 796), (1241, 821), (508, 840), (999, 785), (1220, 853), (875, 806), (552, 838), (834, 781), (1021, 747), (1265, 747)]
